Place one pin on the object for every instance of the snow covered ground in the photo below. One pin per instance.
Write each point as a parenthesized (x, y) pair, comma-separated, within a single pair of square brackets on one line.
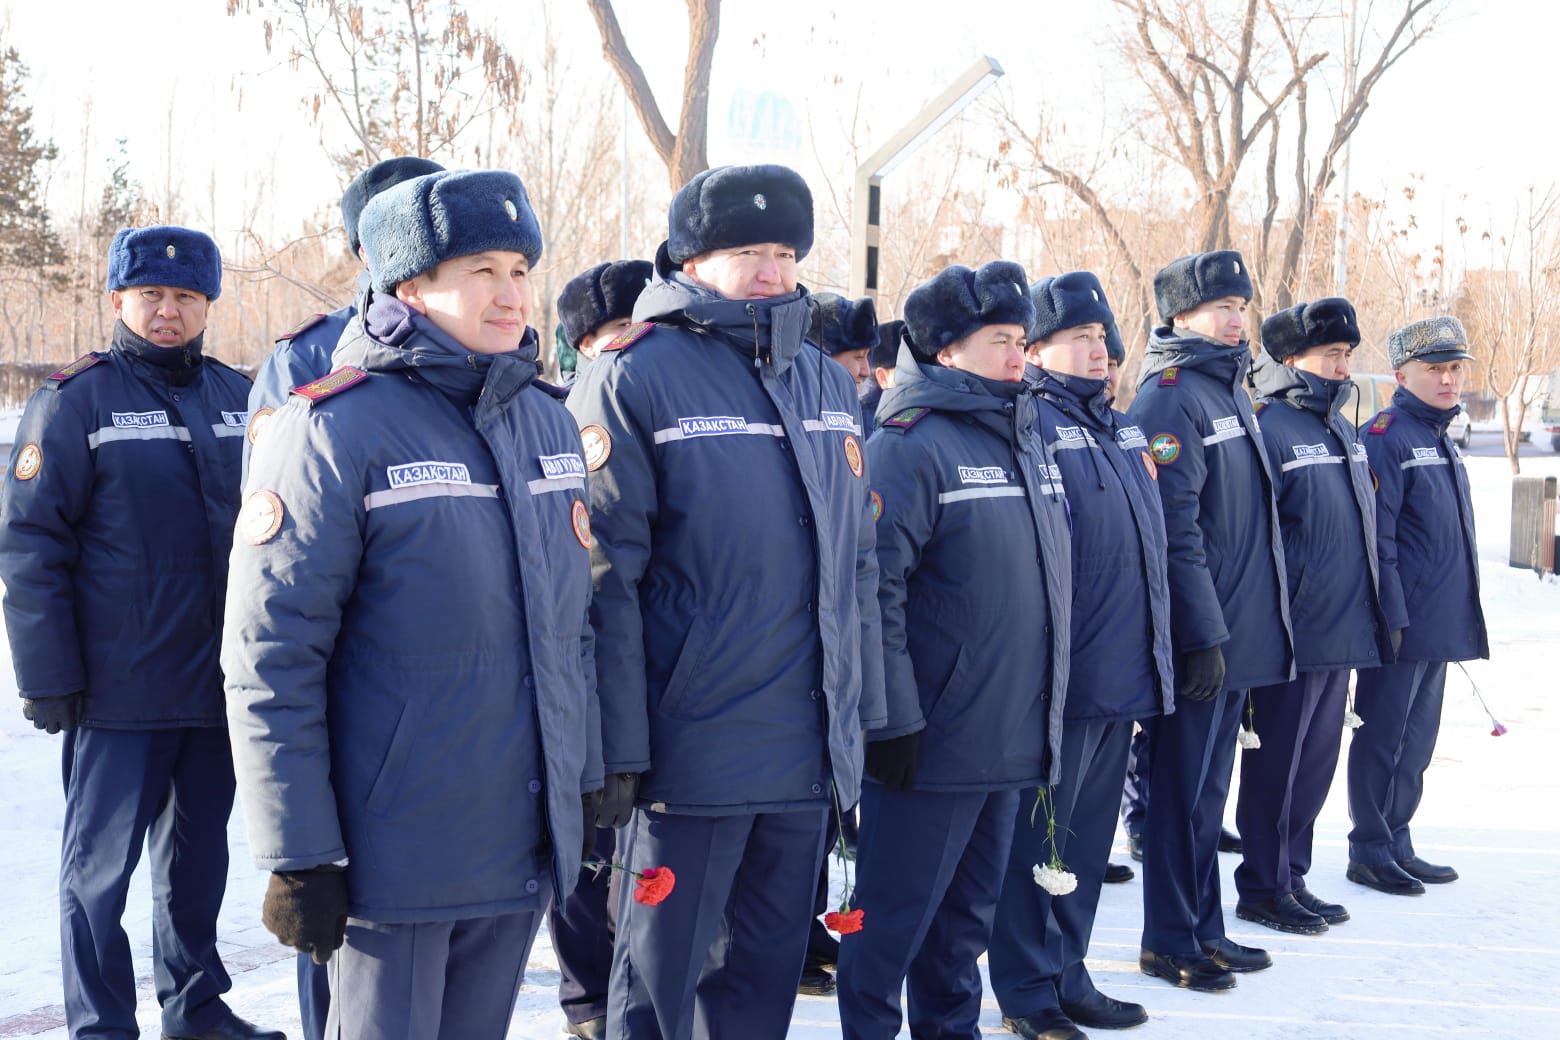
[(1478, 958)]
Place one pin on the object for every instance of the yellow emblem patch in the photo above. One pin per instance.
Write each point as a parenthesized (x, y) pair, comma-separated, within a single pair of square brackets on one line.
[(597, 443), (28, 462), (853, 454), (257, 422), (261, 517), (581, 521)]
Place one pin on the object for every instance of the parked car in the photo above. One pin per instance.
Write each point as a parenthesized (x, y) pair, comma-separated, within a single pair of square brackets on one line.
[(1550, 414)]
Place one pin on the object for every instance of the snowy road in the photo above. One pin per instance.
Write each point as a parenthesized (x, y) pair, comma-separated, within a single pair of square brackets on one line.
[(1478, 958)]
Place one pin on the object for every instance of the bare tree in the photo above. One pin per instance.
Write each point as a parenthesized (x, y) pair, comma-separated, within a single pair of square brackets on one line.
[(685, 152), (1511, 310)]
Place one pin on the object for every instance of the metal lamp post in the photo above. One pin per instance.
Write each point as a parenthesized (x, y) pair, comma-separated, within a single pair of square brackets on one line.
[(866, 209)]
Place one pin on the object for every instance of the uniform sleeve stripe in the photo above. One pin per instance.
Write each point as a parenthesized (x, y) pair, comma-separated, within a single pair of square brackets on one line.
[(1320, 460), (224, 430), (1009, 491), (762, 429), (416, 492), (138, 433), (1410, 463), (1224, 435), (1088, 441), (542, 487), (819, 426)]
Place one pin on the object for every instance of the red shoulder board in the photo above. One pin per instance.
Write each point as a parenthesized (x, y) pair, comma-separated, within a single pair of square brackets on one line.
[(1380, 423), (1170, 376), (344, 378), (303, 326), (907, 418), (76, 367), (629, 336)]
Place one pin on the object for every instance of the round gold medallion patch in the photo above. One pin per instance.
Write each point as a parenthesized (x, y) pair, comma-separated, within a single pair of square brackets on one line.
[(581, 520), (261, 517), (28, 462), (597, 443), (853, 454), (257, 423)]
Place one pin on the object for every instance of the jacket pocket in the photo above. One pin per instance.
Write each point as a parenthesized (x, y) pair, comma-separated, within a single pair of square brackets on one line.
[(394, 767), (679, 685)]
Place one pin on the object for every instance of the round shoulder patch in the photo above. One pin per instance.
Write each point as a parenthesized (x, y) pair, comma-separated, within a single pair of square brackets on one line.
[(1148, 464), (875, 505), (261, 517), (28, 462), (581, 522), (1165, 448), (257, 423), (853, 454), (597, 443)]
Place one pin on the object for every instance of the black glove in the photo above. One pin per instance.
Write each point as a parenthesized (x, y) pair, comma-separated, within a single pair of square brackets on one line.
[(307, 910), (1201, 674), (52, 714), (591, 802), (617, 799), (1397, 641), (892, 762)]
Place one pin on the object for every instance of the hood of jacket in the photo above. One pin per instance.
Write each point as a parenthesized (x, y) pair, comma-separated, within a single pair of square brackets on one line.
[(1438, 419), (1005, 408), (389, 336), (177, 365), (771, 331), (1075, 395), (1299, 388), (1166, 349)]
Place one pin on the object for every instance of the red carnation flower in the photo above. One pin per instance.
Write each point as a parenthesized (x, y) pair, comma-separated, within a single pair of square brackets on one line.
[(845, 923), (653, 885)]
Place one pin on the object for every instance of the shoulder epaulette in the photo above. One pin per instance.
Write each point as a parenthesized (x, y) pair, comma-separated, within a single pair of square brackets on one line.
[(1380, 423), (344, 378), (302, 327), (629, 336), (76, 367), (905, 419), (1170, 376)]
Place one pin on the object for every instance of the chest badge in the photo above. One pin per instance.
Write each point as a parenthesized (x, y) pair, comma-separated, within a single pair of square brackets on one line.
[(853, 454), (581, 521), (28, 462)]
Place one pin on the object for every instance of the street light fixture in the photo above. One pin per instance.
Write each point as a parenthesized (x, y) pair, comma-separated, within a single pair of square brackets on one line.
[(866, 209)]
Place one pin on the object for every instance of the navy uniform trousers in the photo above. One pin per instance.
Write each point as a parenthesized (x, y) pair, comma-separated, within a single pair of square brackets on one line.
[(437, 980), (1191, 755), (583, 927), (1388, 755), (173, 790), (1134, 791), (1038, 942), (722, 956), (1284, 783), (929, 868)]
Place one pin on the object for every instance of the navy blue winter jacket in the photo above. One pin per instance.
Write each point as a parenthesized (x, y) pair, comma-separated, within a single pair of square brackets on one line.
[(115, 527), (1122, 662), (870, 398), (735, 606), (1424, 533), (976, 579), (301, 356), (1327, 512), (1226, 551), (409, 668)]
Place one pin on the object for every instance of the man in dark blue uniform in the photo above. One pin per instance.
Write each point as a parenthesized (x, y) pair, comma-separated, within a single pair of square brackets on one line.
[(1430, 593), (1229, 614), (1120, 670), (846, 330), (593, 308), (407, 659), (302, 356), (1327, 512), (735, 606), (973, 553), (114, 535), (881, 359)]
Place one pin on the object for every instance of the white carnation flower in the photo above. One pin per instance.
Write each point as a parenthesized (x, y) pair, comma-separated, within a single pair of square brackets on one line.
[(1248, 739), (1351, 720), (1056, 882)]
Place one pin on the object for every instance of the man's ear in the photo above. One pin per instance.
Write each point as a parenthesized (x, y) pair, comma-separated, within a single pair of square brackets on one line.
[(409, 292)]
